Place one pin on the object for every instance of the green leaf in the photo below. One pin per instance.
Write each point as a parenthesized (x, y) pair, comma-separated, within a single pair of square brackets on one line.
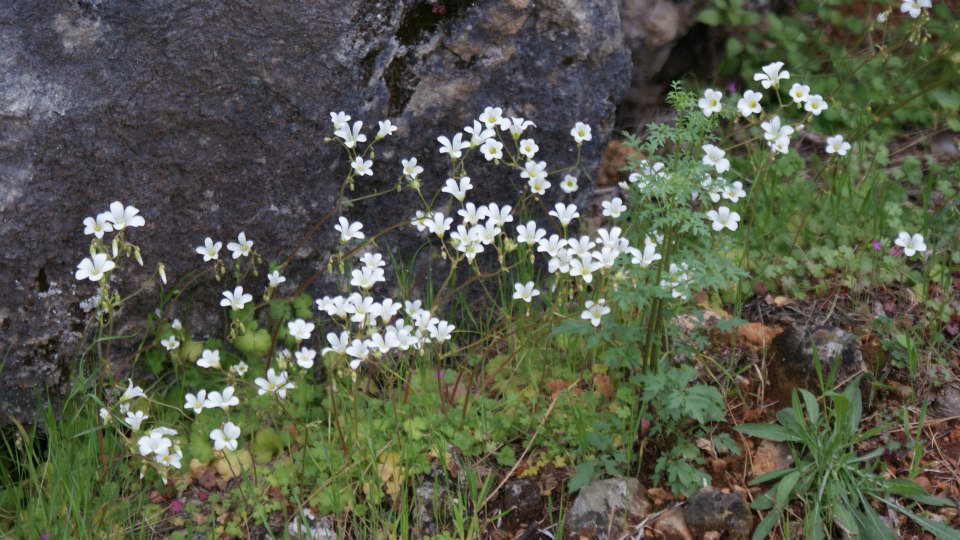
[(265, 444), (771, 432), (766, 525), (582, 476), (813, 408), (940, 530), (785, 488), (710, 17)]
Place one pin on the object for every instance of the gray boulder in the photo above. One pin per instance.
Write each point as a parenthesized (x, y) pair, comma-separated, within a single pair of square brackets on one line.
[(210, 117)]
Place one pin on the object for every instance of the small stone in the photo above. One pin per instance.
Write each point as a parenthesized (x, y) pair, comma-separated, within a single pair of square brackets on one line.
[(604, 509), (428, 497), (946, 403), (792, 358), (770, 456), (671, 525), (709, 510), (522, 499)]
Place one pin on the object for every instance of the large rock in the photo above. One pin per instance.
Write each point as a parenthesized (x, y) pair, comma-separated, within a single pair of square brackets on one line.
[(606, 509), (653, 30), (210, 117)]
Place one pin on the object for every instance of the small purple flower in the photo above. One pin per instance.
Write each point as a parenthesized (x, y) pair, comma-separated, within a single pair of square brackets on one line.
[(877, 246), (896, 251), (732, 87)]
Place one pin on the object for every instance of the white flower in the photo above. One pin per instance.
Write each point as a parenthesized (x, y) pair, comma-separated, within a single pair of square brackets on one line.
[(750, 103), (359, 350), (560, 262), (534, 170), (132, 392), (772, 130), (723, 217), (882, 16), (911, 244), (454, 148), (551, 246), (365, 278), (539, 186), (225, 437), (530, 233), (210, 249), (362, 167), (372, 260), (209, 359), (580, 132), (300, 329), (584, 266), (714, 157), (492, 149), (351, 136), (240, 248), (171, 459), (499, 216), (305, 357), (815, 104), (225, 399), (772, 75), (197, 402), (799, 92), (525, 291), (529, 148), (236, 299), (915, 7), (104, 414), (492, 117), (410, 168), (349, 231), (710, 102), (154, 443), (517, 126), (613, 208), (565, 213), (438, 224), (274, 279), (478, 133), (98, 225), (170, 343), (471, 214), (338, 344), (734, 192), (339, 119), (124, 216), (458, 189), (594, 311), (386, 128), (836, 145), (442, 331), (94, 267), (646, 257), (569, 184), (134, 419), (275, 383), (240, 369), (781, 145)]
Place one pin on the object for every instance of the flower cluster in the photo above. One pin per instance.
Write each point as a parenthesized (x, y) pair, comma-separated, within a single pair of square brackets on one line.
[(157, 444)]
